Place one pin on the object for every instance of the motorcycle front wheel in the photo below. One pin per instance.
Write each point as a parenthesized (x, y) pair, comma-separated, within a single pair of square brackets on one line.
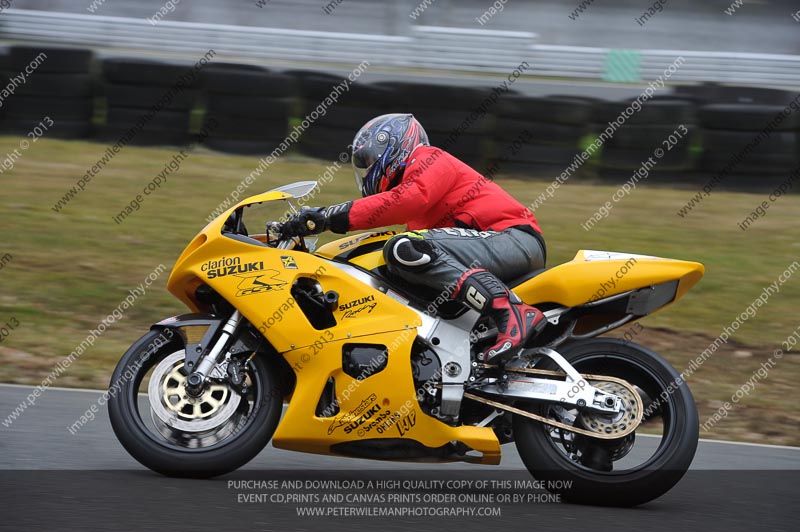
[(175, 434), (620, 472)]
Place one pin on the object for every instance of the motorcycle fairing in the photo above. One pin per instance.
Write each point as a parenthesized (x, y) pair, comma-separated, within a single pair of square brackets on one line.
[(589, 276), (382, 407)]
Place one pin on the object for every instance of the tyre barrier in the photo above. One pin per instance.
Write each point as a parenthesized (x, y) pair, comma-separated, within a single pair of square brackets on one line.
[(539, 134), (663, 124), (735, 140), (331, 131), (706, 93), (143, 100), (247, 108), (52, 83), (457, 119), (253, 109)]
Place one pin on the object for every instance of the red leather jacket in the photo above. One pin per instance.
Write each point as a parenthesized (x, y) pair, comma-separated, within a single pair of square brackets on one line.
[(438, 190)]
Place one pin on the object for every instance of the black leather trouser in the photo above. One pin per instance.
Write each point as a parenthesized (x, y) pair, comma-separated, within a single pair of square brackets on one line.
[(438, 258)]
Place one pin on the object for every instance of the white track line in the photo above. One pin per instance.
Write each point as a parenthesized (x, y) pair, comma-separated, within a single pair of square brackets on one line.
[(59, 388)]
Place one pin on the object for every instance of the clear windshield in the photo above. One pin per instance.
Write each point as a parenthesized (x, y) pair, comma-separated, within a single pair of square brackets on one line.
[(298, 189)]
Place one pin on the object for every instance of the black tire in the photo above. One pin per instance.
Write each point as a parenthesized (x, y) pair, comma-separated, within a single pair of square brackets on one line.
[(523, 169), (147, 136), (655, 111), (266, 107), (128, 71), (754, 164), (509, 130), (658, 474), (247, 81), (434, 95), (745, 117), (346, 116), (677, 157), (326, 143), (340, 138), (444, 121), (731, 142), (237, 127), (127, 117), (242, 147), (572, 110), (471, 149), (58, 59), (651, 137), (326, 152), (541, 153), (146, 97), (47, 84), (356, 95), (166, 457), (62, 129), (313, 85), (55, 108)]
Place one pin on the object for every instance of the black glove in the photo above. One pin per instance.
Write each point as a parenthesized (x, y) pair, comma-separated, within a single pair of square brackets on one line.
[(309, 221), (315, 220)]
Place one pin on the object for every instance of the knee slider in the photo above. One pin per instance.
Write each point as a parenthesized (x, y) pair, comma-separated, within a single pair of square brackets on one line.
[(404, 251)]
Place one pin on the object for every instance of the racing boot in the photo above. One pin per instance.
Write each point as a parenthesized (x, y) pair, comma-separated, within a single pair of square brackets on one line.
[(517, 322)]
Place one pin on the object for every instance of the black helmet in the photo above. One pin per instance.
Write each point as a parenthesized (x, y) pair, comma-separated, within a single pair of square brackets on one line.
[(381, 149)]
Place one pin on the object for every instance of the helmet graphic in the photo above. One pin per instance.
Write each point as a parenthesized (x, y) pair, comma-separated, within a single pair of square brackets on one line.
[(381, 149)]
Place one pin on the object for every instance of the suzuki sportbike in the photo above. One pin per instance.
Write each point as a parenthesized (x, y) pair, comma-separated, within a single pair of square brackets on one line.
[(324, 351)]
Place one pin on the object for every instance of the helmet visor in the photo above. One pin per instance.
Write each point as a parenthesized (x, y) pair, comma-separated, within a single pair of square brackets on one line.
[(364, 178), (362, 168)]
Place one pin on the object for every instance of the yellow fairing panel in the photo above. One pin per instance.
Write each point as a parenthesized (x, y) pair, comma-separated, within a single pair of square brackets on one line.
[(594, 275), (380, 406), (364, 250)]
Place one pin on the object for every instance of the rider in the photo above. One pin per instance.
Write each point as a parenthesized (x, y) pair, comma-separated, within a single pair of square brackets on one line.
[(455, 218)]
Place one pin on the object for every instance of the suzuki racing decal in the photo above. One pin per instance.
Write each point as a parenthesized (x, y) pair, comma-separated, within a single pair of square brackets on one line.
[(365, 236), (288, 262), (265, 281), (354, 418), (353, 309)]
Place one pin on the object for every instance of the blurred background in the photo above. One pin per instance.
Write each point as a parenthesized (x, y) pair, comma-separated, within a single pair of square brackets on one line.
[(200, 91)]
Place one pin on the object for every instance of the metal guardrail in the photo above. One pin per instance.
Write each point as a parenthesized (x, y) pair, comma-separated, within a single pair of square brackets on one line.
[(426, 47)]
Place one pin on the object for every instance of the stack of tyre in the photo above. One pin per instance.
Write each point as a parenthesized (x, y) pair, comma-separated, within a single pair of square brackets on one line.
[(658, 136), (734, 144), (53, 92), (148, 102), (539, 135), (247, 108), (456, 119), (330, 115)]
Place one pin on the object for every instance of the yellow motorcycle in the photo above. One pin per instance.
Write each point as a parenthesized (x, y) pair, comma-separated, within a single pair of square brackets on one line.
[(371, 367)]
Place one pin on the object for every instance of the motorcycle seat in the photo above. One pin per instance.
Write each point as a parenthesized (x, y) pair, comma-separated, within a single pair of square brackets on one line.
[(527, 277)]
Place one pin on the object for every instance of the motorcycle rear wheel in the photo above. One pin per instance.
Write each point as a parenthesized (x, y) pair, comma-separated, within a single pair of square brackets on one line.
[(588, 471)]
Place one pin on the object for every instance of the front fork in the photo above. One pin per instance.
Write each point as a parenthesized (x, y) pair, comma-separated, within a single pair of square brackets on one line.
[(197, 379)]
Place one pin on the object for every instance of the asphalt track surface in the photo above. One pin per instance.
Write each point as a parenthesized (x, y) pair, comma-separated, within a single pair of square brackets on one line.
[(54, 480)]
